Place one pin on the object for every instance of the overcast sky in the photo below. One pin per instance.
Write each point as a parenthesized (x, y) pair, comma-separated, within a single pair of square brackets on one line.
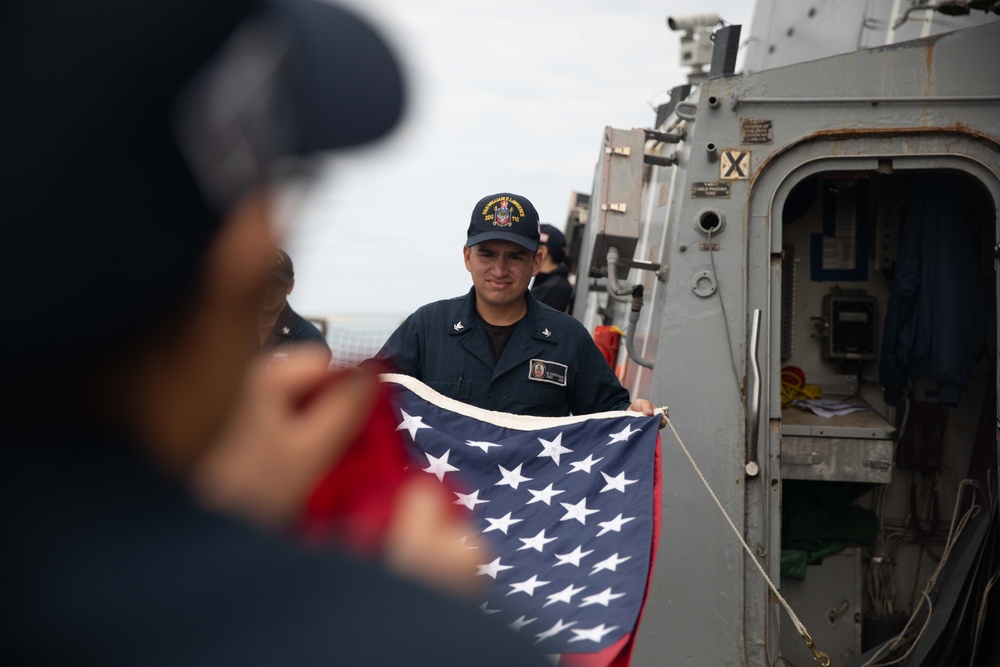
[(504, 96)]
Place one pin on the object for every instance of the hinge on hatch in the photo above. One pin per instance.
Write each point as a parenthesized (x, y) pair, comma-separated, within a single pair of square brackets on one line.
[(617, 150), (620, 208)]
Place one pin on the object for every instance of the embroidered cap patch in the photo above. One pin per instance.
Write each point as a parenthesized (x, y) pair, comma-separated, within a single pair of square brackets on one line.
[(541, 370)]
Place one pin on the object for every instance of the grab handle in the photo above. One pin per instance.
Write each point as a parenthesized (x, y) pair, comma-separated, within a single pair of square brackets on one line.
[(752, 467)]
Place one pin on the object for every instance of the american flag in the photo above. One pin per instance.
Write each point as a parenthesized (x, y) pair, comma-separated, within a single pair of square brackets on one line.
[(569, 507)]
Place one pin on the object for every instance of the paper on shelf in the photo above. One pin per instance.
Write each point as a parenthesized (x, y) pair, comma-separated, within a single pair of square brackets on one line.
[(828, 408)]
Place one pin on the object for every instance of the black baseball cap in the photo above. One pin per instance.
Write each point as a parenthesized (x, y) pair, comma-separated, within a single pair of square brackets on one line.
[(128, 128), (554, 240), (505, 217), (281, 267)]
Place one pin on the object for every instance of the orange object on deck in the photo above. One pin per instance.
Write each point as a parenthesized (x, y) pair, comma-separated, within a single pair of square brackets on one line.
[(608, 340)]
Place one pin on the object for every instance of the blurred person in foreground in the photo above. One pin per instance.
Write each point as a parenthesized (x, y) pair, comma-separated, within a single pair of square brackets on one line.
[(148, 465), (278, 326), (551, 285)]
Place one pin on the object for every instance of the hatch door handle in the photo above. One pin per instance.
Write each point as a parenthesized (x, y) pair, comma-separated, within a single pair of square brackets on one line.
[(752, 466)]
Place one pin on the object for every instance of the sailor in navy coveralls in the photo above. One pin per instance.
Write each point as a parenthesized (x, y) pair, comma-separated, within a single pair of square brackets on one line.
[(278, 325), (497, 347)]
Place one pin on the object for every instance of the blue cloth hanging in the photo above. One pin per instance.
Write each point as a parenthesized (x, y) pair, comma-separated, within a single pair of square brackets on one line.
[(935, 322)]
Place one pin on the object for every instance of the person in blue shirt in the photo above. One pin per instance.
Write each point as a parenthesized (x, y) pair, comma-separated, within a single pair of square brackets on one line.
[(551, 285), (497, 347), (278, 325)]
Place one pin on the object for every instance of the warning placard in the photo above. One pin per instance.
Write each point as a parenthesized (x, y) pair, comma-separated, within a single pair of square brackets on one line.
[(735, 164)]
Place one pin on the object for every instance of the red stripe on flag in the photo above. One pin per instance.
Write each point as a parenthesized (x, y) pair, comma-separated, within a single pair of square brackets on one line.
[(355, 500)]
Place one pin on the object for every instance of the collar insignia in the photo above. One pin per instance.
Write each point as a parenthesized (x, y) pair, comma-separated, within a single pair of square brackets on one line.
[(546, 333), (458, 326), (285, 330)]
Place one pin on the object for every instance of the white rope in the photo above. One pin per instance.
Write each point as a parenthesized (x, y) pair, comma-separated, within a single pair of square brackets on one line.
[(954, 531), (818, 656)]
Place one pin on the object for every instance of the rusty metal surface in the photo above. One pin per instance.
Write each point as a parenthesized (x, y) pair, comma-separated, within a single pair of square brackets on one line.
[(958, 130)]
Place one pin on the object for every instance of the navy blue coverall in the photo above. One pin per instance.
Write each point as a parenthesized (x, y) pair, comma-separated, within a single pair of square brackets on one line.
[(549, 368), (292, 329)]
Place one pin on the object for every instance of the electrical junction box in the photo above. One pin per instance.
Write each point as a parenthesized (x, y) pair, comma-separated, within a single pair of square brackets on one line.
[(851, 318)]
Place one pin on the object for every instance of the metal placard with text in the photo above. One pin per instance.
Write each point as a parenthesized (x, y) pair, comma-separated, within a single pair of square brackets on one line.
[(711, 189)]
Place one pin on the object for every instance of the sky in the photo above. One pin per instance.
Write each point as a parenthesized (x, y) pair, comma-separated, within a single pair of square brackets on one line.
[(503, 96)]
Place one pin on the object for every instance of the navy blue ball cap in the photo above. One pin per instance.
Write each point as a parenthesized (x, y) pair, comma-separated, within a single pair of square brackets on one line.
[(504, 217), (350, 85), (555, 240), (296, 77), (282, 267)]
